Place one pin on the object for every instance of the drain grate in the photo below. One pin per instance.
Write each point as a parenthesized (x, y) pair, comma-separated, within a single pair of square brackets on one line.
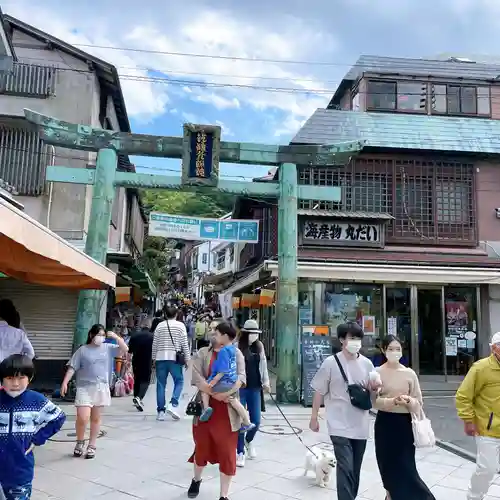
[(280, 430)]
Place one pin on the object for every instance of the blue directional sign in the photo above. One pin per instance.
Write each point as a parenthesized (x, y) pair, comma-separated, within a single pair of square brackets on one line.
[(198, 229)]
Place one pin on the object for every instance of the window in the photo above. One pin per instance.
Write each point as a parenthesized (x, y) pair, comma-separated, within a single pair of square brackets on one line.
[(403, 96), (412, 96), (204, 258), (381, 95), (460, 100), (221, 260), (231, 254), (452, 202), (356, 102)]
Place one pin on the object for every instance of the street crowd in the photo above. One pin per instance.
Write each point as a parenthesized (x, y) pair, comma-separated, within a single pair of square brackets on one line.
[(229, 371)]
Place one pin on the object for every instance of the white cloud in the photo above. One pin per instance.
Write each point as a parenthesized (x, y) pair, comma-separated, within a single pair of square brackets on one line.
[(144, 100), (226, 131), (220, 102)]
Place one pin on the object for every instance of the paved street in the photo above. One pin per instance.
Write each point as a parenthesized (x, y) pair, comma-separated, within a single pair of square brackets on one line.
[(142, 458)]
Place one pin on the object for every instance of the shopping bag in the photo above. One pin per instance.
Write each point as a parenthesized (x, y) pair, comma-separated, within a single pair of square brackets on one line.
[(423, 434)]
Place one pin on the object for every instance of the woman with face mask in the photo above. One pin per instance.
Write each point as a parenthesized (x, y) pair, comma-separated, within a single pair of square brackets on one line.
[(91, 364), (399, 397), (257, 383)]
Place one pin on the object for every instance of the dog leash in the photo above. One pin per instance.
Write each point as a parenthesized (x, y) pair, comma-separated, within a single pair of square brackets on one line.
[(291, 426)]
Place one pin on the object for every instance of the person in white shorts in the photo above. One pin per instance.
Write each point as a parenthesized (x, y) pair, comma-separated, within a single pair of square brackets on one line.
[(91, 364)]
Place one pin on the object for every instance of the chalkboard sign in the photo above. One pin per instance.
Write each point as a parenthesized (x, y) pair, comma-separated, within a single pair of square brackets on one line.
[(315, 349)]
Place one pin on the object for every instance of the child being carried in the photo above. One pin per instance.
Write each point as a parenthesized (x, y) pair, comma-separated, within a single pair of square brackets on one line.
[(224, 375)]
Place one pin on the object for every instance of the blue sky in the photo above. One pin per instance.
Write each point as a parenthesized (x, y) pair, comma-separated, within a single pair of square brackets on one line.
[(164, 90)]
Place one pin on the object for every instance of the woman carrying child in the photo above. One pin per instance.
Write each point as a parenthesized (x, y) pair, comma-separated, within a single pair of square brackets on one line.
[(224, 375), (91, 364)]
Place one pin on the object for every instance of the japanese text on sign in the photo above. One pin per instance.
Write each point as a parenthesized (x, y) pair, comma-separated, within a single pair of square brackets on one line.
[(341, 232), (201, 152)]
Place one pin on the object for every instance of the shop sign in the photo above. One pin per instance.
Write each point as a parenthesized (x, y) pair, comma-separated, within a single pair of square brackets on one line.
[(342, 233)]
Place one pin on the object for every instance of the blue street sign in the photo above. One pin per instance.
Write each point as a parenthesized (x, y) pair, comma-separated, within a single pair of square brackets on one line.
[(197, 229)]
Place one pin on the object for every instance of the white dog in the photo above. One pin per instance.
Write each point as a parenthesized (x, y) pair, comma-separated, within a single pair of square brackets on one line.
[(321, 462)]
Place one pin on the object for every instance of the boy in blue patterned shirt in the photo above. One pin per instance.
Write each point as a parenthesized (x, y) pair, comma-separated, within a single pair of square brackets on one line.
[(224, 375), (27, 419)]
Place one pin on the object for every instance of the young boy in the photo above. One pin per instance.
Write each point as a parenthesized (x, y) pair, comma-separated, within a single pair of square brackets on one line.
[(224, 375), (27, 420)]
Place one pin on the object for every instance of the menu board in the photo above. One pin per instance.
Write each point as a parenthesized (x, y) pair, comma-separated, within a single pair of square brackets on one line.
[(314, 349)]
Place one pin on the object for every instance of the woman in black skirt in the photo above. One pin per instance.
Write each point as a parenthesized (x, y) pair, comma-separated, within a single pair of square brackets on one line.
[(399, 397)]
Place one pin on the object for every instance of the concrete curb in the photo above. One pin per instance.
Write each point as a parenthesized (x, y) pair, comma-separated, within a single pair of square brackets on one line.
[(444, 445)]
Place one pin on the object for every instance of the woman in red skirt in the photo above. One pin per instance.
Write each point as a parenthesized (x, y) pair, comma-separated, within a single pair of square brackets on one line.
[(216, 440)]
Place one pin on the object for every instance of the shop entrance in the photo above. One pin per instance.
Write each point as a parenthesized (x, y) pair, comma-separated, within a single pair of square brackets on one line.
[(430, 331)]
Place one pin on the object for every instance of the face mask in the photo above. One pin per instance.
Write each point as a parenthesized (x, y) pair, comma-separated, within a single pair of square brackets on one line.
[(353, 346), (14, 394), (253, 337), (393, 356), (98, 340)]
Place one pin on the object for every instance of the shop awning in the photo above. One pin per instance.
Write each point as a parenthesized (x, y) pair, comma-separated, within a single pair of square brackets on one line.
[(32, 253), (383, 273)]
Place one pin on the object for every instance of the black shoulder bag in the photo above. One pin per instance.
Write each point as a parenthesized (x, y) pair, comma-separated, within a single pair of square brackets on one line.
[(360, 396), (180, 359)]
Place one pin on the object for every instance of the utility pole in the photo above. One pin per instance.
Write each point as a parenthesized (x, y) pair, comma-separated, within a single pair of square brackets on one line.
[(201, 151)]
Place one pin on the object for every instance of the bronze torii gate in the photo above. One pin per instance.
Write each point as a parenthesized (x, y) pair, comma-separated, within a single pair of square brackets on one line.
[(200, 150)]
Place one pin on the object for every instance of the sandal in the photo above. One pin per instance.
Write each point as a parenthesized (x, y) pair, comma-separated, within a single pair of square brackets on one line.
[(78, 451), (90, 452)]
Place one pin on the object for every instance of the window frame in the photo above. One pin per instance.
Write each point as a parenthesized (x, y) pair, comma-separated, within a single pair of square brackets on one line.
[(462, 86), (396, 84)]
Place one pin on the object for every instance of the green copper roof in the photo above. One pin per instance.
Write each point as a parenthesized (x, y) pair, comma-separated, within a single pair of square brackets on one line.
[(402, 131)]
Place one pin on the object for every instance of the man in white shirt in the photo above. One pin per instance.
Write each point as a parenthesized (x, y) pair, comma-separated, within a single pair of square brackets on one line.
[(348, 425), (170, 337)]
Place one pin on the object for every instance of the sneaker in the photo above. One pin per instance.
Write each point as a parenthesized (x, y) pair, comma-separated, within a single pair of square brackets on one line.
[(194, 489), (171, 411), (205, 416), (161, 416), (246, 428), (251, 452), (138, 404), (240, 460)]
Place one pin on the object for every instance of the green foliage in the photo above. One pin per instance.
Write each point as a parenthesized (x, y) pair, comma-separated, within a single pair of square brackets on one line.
[(190, 203), (156, 258)]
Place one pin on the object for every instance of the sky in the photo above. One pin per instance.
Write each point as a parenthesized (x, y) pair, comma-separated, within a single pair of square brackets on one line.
[(267, 65)]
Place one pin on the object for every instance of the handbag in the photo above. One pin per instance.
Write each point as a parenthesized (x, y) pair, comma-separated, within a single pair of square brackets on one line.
[(423, 434), (360, 396), (194, 407), (180, 359)]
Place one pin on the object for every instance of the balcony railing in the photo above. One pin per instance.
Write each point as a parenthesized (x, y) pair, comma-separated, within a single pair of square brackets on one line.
[(23, 160), (29, 80)]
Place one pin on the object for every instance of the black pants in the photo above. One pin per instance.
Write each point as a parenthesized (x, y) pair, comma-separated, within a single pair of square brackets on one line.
[(349, 454), (395, 453), (142, 379)]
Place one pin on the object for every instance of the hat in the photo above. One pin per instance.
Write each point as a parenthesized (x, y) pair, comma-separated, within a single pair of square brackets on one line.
[(495, 339), (251, 326)]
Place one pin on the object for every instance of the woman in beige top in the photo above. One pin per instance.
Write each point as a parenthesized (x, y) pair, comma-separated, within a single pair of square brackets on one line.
[(399, 397)]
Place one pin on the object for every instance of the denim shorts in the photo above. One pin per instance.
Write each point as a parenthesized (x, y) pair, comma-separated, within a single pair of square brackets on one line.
[(221, 387)]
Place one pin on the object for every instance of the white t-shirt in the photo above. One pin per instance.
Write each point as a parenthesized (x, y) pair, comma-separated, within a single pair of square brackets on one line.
[(343, 419)]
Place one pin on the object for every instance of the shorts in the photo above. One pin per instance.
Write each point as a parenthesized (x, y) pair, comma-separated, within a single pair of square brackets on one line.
[(222, 387), (93, 395)]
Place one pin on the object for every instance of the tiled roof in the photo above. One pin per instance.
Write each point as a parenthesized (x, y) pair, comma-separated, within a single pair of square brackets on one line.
[(423, 67), (402, 131), (344, 214)]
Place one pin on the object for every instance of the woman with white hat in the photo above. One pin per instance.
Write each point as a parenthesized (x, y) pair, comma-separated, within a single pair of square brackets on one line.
[(257, 380)]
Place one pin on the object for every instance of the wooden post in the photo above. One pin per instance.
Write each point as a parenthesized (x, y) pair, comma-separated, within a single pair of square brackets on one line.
[(90, 302), (287, 388)]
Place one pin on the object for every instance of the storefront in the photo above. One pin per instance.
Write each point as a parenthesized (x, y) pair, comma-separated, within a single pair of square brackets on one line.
[(438, 311), (42, 274)]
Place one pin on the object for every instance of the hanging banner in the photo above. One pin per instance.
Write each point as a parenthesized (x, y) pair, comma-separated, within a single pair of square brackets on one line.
[(225, 305), (236, 302), (266, 297), (196, 229), (249, 300), (122, 294)]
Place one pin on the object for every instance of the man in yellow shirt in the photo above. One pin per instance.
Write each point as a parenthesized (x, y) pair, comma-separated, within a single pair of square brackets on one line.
[(478, 405)]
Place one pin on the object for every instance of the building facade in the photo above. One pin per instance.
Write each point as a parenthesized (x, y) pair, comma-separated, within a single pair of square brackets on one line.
[(57, 79), (410, 245)]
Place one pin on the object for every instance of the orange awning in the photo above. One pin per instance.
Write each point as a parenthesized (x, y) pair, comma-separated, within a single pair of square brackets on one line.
[(32, 253)]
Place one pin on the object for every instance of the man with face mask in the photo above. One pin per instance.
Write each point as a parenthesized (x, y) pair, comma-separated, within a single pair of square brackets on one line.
[(348, 425), (478, 405)]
